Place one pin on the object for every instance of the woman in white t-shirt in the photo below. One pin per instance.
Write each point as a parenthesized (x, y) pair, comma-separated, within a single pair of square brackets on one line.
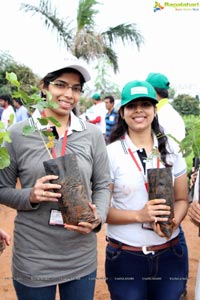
[(194, 214), (8, 115), (141, 263)]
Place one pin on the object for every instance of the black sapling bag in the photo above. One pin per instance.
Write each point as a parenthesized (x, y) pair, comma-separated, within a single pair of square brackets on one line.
[(74, 203)]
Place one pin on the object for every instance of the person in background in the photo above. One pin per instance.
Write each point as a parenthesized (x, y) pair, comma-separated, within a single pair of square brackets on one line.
[(175, 125), (194, 214), (1, 110), (20, 110), (141, 262), (99, 113), (48, 253), (8, 110), (172, 123), (111, 117), (4, 240)]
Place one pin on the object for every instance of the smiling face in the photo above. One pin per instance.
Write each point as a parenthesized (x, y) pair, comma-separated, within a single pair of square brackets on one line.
[(139, 115), (65, 91)]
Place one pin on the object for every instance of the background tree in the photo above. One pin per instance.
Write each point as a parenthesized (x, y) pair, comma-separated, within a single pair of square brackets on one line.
[(103, 83), (85, 41), (26, 77), (186, 105), (172, 93)]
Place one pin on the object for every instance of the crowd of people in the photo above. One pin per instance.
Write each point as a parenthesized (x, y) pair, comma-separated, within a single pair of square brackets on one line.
[(12, 110), (103, 115), (112, 155)]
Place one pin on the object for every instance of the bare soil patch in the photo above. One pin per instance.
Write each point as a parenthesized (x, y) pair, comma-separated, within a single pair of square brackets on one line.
[(7, 292)]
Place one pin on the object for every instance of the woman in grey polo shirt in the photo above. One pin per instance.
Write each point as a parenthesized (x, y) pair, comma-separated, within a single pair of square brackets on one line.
[(47, 252)]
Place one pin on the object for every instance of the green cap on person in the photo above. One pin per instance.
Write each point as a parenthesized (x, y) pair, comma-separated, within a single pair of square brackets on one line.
[(158, 80), (96, 96), (135, 90)]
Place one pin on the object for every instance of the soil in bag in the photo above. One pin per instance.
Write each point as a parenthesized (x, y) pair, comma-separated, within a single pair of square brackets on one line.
[(160, 185), (74, 204)]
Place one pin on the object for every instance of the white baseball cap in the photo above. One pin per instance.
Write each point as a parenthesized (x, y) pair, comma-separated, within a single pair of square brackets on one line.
[(70, 62)]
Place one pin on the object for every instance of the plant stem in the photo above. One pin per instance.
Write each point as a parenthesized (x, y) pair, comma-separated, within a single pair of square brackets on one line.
[(42, 138)]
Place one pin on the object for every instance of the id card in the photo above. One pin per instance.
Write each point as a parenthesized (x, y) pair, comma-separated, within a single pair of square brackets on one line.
[(56, 218)]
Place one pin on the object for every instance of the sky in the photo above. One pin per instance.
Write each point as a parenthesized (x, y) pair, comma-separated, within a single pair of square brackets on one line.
[(171, 39)]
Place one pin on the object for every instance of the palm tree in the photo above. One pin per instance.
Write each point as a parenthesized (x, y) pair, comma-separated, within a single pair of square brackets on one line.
[(84, 41)]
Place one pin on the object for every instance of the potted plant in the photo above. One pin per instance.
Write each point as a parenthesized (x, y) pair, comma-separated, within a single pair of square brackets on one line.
[(190, 148), (190, 145), (4, 137), (160, 185)]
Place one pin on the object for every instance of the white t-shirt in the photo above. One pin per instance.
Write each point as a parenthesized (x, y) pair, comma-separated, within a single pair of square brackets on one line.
[(171, 121), (5, 117), (99, 109), (21, 113), (129, 191)]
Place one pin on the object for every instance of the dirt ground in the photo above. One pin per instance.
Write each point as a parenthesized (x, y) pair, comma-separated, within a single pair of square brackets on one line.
[(7, 216)]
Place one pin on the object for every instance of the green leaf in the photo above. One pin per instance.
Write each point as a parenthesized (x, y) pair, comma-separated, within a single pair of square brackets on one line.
[(11, 119), (5, 136), (24, 96), (49, 96), (52, 104), (12, 78), (191, 143), (43, 121), (4, 158), (36, 98), (2, 126), (47, 133), (28, 130), (54, 121), (41, 105)]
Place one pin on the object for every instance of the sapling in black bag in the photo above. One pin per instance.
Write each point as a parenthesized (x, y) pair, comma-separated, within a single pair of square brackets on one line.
[(74, 204), (160, 186)]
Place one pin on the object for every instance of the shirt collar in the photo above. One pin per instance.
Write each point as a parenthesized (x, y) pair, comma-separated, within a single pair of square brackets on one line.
[(134, 148), (76, 123)]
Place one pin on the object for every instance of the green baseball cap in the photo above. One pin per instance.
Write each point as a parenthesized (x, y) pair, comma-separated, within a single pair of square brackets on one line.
[(135, 90), (158, 80), (96, 96)]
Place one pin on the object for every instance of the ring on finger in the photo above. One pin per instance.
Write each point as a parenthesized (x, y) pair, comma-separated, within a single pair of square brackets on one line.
[(43, 193), (155, 219)]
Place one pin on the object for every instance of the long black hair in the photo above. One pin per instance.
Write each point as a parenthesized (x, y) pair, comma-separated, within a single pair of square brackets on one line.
[(122, 128)]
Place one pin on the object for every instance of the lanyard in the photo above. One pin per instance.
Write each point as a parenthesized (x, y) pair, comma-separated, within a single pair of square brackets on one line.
[(139, 168), (63, 150), (64, 142)]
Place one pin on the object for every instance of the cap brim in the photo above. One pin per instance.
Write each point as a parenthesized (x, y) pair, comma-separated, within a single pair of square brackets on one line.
[(73, 63), (153, 100), (82, 70)]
